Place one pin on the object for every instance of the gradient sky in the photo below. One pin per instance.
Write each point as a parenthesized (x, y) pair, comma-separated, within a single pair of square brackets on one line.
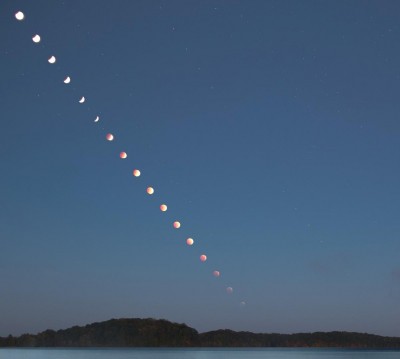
[(270, 128)]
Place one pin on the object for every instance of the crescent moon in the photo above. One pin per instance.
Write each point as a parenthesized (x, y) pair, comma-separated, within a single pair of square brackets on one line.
[(82, 100), (67, 80)]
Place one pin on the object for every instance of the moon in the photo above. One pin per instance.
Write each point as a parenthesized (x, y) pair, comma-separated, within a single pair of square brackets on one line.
[(163, 207), (109, 136), (189, 241), (177, 224), (67, 80), (123, 155), (36, 38), (136, 173), (203, 257), (52, 60), (216, 273), (97, 119), (150, 190), (229, 290), (19, 15), (82, 100)]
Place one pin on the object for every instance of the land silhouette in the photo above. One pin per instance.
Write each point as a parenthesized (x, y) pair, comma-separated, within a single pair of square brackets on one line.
[(162, 333)]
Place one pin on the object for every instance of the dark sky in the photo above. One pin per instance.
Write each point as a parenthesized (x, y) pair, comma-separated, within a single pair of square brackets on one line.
[(269, 128)]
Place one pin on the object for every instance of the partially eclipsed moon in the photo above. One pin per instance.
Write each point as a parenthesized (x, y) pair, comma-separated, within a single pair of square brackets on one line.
[(136, 173), (150, 190), (177, 224), (52, 60), (189, 241), (123, 155), (229, 290), (97, 119), (82, 100), (19, 15), (203, 257), (67, 80), (163, 207), (36, 38), (109, 136)]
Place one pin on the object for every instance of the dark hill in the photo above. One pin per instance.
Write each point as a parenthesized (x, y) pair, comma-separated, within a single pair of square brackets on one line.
[(112, 333), (162, 333)]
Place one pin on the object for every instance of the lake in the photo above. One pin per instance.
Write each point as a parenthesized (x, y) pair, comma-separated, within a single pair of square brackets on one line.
[(267, 353)]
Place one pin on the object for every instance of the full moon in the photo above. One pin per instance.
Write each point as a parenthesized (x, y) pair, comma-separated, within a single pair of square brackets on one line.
[(19, 15)]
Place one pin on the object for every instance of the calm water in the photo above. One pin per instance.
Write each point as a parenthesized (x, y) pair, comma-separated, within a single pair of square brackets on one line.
[(194, 354)]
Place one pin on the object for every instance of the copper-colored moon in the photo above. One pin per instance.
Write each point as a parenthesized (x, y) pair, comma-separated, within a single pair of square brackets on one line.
[(150, 190), (177, 224), (123, 155), (203, 257), (163, 207), (216, 273), (229, 290), (189, 241), (109, 136), (136, 173)]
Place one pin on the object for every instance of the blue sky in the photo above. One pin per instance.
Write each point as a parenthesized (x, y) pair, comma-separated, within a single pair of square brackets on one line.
[(269, 128)]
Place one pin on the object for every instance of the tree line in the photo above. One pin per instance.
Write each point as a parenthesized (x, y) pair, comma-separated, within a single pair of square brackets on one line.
[(162, 333)]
